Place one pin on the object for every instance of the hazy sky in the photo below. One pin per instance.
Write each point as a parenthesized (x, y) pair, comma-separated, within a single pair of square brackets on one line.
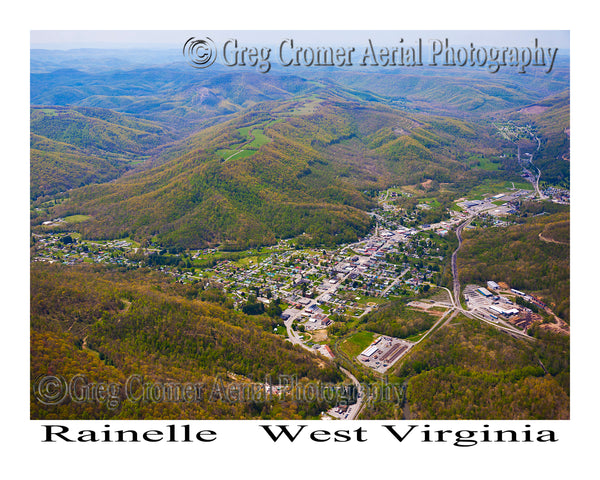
[(68, 39)]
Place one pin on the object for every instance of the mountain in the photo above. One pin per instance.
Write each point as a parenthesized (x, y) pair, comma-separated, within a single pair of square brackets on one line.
[(176, 158), (551, 119), (71, 147), (107, 325), (58, 166), (457, 91), (239, 158), (99, 131), (178, 98), (279, 169)]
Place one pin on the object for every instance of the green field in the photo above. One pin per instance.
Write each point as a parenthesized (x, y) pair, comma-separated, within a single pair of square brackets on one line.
[(431, 201), (356, 343), (260, 139), (244, 131), (245, 150), (482, 163), (280, 330), (236, 154), (253, 259), (490, 187), (363, 300), (76, 218)]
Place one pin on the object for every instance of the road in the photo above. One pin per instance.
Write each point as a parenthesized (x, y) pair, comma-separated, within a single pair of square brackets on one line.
[(451, 313), (354, 409), (382, 294), (456, 286), (293, 335), (456, 281), (459, 229), (534, 182), (233, 155)]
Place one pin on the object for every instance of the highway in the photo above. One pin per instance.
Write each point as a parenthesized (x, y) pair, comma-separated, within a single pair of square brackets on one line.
[(456, 281), (456, 285), (354, 409), (293, 335), (452, 312)]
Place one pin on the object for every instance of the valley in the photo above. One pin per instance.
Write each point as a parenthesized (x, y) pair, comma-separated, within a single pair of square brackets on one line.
[(244, 229)]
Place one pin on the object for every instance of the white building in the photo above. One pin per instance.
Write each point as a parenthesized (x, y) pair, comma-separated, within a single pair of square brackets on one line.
[(485, 292), (370, 350)]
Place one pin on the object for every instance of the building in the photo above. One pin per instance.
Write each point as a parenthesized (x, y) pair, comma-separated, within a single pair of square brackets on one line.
[(369, 351), (493, 285), (501, 311), (485, 292), (326, 351)]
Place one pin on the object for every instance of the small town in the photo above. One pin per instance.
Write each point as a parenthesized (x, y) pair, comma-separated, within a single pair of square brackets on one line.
[(309, 288), (312, 283)]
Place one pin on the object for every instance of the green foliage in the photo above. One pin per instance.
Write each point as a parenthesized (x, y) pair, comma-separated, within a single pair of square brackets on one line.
[(518, 256), (56, 167), (468, 370), (136, 322), (357, 342), (97, 131), (397, 320), (294, 184)]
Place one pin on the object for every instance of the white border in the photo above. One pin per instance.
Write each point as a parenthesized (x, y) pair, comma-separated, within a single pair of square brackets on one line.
[(242, 450)]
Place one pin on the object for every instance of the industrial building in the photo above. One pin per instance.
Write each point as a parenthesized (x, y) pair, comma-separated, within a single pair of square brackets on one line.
[(369, 351), (502, 311), (493, 285), (485, 292)]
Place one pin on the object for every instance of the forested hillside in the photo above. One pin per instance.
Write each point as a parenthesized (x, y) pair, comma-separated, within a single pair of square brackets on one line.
[(468, 370), (109, 324), (533, 256), (299, 169), (223, 226), (72, 147)]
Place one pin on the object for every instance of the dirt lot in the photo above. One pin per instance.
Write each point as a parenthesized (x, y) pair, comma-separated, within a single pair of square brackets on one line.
[(319, 335)]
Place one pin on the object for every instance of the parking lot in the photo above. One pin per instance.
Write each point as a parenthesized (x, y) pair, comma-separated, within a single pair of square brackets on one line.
[(480, 304), (383, 353)]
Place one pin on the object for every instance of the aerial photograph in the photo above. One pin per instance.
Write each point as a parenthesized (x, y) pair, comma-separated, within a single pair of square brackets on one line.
[(299, 225)]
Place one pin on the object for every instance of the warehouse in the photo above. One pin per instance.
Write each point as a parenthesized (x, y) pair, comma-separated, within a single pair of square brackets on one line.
[(501, 311), (484, 292), (493, 285), (496, 309), (369, 351)]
